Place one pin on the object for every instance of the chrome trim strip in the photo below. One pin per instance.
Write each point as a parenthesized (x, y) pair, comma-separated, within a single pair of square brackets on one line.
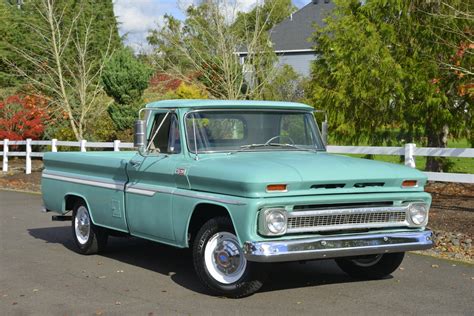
[(353, 210), (209, 197), (147, 191), (138, 189), (326, 247), (116, 185)]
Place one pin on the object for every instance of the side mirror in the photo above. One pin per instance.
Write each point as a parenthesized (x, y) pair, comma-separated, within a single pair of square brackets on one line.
[(324, 132), (139, 137)]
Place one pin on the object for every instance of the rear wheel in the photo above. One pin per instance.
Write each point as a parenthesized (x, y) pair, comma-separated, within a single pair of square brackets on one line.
[(220, 263), (371, 266), (89, 238)]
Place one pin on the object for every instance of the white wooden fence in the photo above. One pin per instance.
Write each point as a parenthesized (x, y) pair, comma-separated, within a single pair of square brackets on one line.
[(54, 143), (409, 151)]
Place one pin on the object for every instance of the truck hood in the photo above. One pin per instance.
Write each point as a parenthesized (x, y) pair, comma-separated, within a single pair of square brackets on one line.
[(247, 174)]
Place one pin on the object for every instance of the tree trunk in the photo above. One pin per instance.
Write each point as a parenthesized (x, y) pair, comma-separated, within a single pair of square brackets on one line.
[(439, 140)]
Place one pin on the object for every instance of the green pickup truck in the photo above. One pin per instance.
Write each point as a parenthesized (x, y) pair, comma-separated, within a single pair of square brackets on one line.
[(243, 184)]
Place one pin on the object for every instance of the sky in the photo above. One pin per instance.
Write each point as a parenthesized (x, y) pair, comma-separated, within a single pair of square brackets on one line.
[(136, 17)]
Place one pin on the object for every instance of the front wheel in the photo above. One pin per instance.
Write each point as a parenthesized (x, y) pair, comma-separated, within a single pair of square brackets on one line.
[(371, 266), (89, 238), (220, 263)]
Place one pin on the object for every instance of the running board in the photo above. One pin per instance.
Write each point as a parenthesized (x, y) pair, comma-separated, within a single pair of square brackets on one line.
[(61, 218)]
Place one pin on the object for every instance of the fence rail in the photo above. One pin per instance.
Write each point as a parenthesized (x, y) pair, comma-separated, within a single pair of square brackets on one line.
[(409, 151)]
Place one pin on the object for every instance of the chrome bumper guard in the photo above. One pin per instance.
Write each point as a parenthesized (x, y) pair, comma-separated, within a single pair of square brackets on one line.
[(337, 246)]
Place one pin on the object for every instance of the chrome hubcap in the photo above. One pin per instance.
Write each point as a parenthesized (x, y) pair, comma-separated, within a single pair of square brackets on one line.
[(224, 258), (82, 225), (367, 261)]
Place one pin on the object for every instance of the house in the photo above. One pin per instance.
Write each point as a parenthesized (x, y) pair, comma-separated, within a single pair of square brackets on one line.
[(291, 38)]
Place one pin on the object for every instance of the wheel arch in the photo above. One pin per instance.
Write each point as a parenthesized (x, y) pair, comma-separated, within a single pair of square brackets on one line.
[(71, 198), (202, 212)]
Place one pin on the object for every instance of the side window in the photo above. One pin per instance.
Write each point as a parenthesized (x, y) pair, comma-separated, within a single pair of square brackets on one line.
[(167, 140)]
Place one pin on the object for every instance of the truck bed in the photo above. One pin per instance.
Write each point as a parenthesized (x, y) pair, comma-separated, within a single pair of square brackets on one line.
[(99, 176)]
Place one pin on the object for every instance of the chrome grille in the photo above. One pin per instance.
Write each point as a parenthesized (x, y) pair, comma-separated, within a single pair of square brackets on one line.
[(337, 219)]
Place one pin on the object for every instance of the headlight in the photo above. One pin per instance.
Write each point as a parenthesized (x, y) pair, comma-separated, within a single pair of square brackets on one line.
[(418, 213), (272, 222)]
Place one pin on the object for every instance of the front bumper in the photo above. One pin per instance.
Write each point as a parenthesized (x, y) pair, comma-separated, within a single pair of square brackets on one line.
[(326, 247)]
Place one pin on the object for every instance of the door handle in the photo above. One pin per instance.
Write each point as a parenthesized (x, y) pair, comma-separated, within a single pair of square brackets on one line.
[(135, 163)]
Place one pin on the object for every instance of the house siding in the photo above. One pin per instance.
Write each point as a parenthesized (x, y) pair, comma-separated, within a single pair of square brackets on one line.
[(300, 62)]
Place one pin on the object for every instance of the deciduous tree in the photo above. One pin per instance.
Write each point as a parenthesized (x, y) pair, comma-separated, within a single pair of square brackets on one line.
[(67, 59), (205, 45)]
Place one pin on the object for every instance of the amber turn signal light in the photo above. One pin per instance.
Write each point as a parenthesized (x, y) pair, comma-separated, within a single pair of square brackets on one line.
[(409, 183), (276, 188)]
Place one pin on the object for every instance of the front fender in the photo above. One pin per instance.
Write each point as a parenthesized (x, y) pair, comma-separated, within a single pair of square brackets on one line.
[(185, 202)]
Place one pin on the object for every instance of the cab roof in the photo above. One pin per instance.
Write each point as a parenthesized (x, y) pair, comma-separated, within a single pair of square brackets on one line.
[(180, 103)]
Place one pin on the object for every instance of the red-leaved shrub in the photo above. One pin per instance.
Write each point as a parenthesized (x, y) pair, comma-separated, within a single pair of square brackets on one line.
[(23, 117)]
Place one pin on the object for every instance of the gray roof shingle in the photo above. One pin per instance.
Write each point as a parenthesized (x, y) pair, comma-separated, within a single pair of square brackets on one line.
[(294, 32)]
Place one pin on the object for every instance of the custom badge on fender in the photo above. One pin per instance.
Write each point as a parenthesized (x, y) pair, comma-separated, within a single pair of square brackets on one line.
[(180, 171)]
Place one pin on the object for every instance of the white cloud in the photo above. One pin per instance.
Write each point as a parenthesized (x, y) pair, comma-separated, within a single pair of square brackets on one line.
[(239, 5), (229, 8), (246, 5), (138, 16)]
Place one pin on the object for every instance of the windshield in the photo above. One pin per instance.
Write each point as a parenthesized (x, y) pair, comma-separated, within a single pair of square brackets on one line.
[(239, 130)]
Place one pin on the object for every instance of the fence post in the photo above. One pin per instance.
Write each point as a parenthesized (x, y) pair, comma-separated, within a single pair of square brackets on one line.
[(5, 155), (116, 145), (83, 145), (54, 145), (28, 156), (410, 155)]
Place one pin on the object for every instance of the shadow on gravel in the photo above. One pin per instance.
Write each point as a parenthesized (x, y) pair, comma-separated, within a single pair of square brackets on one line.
[(177, 263)]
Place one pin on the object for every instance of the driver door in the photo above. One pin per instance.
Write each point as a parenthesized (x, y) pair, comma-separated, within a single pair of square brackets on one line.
[(151, 181)]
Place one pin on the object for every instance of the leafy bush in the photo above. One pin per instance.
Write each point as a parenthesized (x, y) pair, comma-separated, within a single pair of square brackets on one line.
[(187, 91), (23, 117)]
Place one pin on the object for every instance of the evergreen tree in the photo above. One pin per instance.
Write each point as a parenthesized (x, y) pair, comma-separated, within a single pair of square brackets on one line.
[(15, 31), (124, 79), (380, 69)]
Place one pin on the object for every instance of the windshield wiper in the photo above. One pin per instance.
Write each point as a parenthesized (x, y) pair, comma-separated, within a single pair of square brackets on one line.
[(252, 146), (291, 146)]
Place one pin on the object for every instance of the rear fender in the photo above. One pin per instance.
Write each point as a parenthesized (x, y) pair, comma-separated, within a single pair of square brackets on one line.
[(77, 196)]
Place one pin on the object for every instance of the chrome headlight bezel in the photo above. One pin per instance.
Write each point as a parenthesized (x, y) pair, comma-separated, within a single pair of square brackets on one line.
[(269, 217), (418, 214)]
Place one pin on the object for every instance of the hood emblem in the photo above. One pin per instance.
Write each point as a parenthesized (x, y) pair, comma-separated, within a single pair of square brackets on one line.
[(180, 171)]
